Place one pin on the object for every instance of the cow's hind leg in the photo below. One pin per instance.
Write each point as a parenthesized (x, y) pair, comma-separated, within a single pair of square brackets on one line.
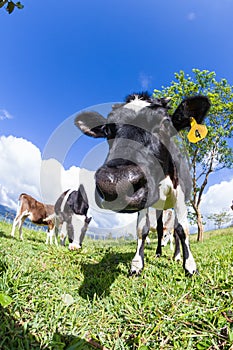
[(181, 228), (18, 221), (176, 256), (143, 227), (21, 221), (159, 216), (189, 264)]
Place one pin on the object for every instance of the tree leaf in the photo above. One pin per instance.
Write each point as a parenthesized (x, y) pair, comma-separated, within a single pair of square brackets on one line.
[(2, 3), (10, 7), (19, 5)]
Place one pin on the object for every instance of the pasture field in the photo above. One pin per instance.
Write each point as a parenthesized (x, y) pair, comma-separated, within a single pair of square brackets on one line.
[(56, 299)]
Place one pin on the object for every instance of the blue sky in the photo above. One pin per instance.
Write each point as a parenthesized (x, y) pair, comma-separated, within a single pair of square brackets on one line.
[(58, 58)]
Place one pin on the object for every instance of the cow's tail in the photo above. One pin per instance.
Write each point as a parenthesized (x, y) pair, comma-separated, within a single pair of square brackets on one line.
[(19, 204)]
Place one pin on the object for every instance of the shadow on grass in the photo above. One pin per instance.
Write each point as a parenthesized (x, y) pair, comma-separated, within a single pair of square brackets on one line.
[(27, 238), (15, 336), (98, 277), (36, 239), (69, 342), (2, 234)]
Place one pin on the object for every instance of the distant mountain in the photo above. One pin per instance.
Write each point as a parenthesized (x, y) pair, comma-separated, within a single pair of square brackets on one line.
[(7, 212)]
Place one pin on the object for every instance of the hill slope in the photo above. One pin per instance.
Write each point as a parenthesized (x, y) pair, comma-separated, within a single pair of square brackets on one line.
[(85, 300)]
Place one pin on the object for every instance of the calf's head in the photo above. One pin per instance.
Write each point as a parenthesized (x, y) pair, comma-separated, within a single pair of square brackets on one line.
[(141, 151)]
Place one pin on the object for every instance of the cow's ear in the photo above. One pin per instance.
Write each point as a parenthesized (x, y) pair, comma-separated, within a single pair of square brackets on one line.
[(195, 107), (91, 124)]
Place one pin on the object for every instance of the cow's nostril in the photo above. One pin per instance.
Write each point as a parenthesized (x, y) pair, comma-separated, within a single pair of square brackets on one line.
[(109, 197), (138, 185), (120, 162)]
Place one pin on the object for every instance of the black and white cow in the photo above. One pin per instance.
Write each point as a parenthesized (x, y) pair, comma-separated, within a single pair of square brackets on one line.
[(71, 216), (144, 167)]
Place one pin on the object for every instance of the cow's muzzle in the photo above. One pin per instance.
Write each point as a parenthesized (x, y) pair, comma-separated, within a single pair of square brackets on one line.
[(121, 188)]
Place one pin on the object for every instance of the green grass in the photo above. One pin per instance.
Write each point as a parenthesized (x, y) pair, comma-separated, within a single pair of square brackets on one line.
[(61, 299)]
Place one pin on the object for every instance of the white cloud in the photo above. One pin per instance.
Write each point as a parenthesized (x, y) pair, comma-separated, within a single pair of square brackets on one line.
[(23, 170), (4, 114), (20, 166), (217, 198), (145, 81)]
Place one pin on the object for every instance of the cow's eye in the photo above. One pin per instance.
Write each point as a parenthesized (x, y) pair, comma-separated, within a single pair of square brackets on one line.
[(166, 123)]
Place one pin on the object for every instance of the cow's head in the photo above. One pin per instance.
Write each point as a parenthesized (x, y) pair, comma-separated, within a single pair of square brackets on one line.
[(141, 151)]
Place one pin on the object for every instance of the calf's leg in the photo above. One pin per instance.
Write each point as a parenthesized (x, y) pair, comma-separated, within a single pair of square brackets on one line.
[(18, 221), (15, 224)]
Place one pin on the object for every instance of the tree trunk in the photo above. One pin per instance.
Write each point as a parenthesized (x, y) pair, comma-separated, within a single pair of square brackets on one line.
[(200, 232)]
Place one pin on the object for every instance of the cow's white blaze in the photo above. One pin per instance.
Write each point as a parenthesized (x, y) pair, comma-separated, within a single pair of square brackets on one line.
[(78, 223), (137, 104)]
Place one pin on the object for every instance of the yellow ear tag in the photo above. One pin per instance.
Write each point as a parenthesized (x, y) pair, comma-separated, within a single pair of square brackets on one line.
[(197, 131)]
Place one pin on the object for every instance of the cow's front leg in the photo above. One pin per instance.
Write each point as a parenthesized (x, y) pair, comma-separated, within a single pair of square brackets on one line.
[(182, 230), (143, 227), (176, 256)]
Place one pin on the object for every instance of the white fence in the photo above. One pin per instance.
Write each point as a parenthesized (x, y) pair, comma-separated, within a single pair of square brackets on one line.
[(9, 218)]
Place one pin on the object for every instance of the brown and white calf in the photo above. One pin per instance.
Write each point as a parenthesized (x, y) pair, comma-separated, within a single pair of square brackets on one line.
[(37, 212)]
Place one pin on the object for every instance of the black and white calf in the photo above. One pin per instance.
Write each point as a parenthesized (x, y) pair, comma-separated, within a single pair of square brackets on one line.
[(144, 167), (71, 216)]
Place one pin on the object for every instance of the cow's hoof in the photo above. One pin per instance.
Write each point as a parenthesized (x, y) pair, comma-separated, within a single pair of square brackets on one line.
[(136, 267), (158, 255), (190, 274), (74, 246), (190, 267), (177, 257), (134, 272)]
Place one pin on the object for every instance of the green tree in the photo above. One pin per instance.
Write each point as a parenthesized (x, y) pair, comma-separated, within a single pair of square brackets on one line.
[(220, 219), (10, 5), (214, 152)]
